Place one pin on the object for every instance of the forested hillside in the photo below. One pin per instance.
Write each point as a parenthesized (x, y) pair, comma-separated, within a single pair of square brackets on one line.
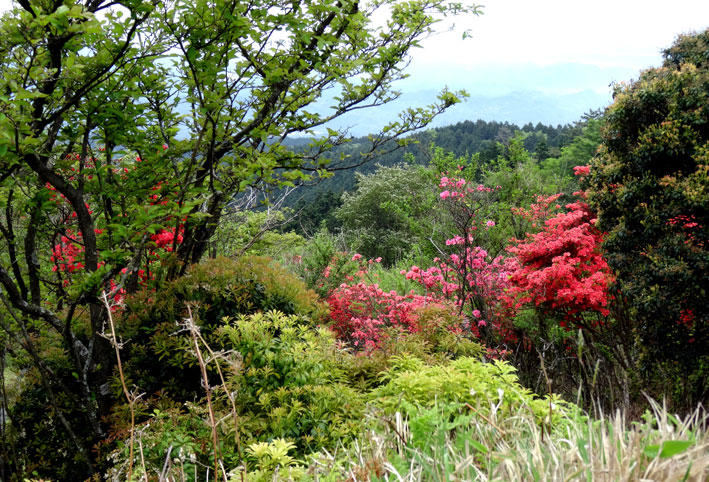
[(482, 143)]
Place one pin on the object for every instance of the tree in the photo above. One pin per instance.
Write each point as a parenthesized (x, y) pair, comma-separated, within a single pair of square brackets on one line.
[(127, 127), (649, 185), (391, 211), (520, 181)]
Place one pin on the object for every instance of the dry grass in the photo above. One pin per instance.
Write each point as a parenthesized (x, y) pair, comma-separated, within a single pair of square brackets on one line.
[(661, 448)]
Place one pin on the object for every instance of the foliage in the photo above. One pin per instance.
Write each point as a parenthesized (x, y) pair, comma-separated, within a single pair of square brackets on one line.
[(391, 211), (518, 179), (292, 384), (323, 264), (310, 216), (465, 385), (121, 75), (483, 140), (216, 289), (649, 187), (284, 394), (272, 461), (578, 152), (173, 436), (254, 233)]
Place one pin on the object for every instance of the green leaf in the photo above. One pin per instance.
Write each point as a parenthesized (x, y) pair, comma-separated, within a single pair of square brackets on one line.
[(478, 446), (674, 447), (581, 444), (669, 448)]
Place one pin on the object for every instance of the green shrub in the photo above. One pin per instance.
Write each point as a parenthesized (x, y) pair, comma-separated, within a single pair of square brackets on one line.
[(323, 264), (468, 384), (158, 354), (292, 384), (285, 381)]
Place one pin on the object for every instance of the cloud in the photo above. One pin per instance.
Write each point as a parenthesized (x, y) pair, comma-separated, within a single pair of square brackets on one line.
[(627, 33)]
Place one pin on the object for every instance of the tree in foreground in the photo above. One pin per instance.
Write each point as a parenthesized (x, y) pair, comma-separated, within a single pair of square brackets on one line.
[(649, 185), (127, 128)]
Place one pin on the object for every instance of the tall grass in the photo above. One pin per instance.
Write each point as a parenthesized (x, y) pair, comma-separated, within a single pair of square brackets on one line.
[(662, 447)]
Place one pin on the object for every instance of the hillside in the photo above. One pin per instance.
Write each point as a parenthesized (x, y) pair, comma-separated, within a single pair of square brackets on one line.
[(486, 140)]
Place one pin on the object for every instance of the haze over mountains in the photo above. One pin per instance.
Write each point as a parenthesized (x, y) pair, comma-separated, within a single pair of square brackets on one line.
[(551, 94)]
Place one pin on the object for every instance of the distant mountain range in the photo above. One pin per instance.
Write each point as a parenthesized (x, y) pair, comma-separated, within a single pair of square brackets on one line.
[(553, 95)]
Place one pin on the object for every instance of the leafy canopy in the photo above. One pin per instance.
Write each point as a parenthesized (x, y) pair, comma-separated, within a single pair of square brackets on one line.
[(125, 123)]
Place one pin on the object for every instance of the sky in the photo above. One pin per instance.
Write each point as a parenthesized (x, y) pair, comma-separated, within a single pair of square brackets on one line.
[(547, 60), (561, 52), (606, 33)]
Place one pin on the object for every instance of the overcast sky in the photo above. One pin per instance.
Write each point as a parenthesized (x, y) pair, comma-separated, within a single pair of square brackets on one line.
[(549, 47), (570, 51), (600, 32), (628, 33)]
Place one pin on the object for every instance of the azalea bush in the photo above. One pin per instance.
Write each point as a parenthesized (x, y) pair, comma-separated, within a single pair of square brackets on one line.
[(156, 241), (561, 307), (561, 268), (465, 274), (383, 323)]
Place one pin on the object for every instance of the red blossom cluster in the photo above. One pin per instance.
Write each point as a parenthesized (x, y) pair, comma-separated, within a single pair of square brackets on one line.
[(540, 210), (688, 225), (561, 267), (68, 252), (360, 311)]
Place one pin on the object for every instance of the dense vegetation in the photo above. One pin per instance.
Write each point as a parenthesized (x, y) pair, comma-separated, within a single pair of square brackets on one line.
[(471, 310), (486, 141)]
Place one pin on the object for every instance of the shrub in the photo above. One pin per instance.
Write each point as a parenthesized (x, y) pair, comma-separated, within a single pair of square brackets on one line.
[(217, 288), (322, 264), (561, 268), (285, 380), (292, 384), (468, 384)]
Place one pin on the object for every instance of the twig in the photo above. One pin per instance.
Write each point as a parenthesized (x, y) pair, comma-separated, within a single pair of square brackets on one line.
[(230, 396), (546, 377), (129, 396), (203, 367)]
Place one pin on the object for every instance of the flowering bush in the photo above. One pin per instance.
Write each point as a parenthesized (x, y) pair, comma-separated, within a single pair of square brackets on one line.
[(471, 280), (361, 311), (561, 267), (467, 276)]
